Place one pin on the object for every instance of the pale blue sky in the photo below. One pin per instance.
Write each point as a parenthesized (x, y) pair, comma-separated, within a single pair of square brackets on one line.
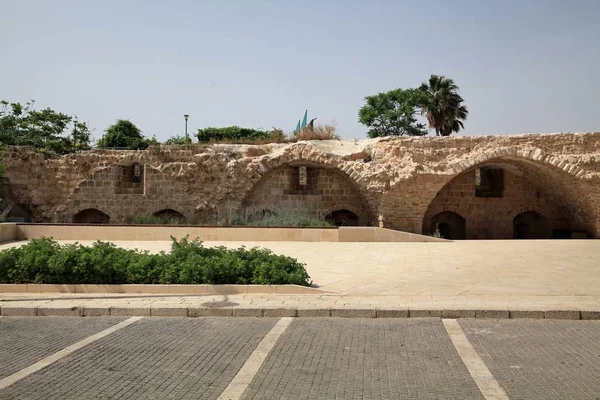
[(522, 65)]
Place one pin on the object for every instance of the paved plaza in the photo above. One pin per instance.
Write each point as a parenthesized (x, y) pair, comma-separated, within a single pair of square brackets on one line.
[(311, 358)]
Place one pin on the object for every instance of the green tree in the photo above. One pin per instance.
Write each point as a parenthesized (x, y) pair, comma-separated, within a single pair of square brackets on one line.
[(393, 113), (176, 139), (124, 134), (45, 130), (443, 106)]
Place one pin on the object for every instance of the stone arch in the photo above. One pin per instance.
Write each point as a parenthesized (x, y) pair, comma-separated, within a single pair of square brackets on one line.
[(345, 186), (530, 225), (170, 215), (449, 225), (91, 216), (537, 184)]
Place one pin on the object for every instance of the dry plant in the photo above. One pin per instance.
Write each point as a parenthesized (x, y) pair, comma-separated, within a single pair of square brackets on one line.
[(318, 132)]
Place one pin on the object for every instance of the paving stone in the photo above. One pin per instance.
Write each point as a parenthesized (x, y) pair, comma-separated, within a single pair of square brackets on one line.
[(425, 313), (388, 313), (494, 314), (247, 312), (130, 311), (154, 358), (339, 358), (210, 312), (279, 312), (27, 340), (59, 311), (354, 312), (95, 311), (590, 315), (169, 312), (540, 359), (562, 314), (314, 312), (533, 314), (458, 314), (19, 311)]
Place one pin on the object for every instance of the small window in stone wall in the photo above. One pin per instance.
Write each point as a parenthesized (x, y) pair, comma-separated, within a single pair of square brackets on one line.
[(130, 179), (489, 182), (302, 176)]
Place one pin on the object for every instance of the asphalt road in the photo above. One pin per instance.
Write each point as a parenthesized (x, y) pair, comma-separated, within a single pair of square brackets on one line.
[(304, 358)]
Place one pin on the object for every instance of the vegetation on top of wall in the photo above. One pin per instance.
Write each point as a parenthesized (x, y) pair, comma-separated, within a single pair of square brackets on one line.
[(178, 140), (318, 132), (125, 134), (394, 113), (189, 262), (207, 135), (45, 130)]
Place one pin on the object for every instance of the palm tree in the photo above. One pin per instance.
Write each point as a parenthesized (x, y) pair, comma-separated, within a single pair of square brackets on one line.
[(443, 105)]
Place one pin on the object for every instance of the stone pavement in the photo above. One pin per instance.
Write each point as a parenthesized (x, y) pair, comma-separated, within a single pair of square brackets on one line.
[(313, 358), (531, 275)]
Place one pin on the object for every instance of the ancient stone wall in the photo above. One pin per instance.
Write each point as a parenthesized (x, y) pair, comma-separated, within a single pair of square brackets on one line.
[(406, 180)]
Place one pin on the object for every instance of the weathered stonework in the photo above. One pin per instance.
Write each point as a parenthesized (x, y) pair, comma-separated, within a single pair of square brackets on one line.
[(409, 181)]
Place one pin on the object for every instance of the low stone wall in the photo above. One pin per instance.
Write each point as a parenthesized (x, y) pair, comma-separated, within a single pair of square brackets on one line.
[(237, 234), (8, 232)]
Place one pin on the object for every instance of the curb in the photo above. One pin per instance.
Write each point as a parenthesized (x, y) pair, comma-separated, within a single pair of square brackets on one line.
[(193, 312)]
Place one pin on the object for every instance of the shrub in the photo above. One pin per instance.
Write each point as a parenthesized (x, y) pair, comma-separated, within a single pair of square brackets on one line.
[(318, 132), (292, 216), (231, 133), (189, 262)]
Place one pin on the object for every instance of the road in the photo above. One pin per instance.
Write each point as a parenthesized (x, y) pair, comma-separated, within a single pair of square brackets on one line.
[(303, 358)]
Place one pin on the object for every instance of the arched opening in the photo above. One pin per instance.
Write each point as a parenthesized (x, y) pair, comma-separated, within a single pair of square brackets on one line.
[(490, 195), (343, 218), (449, 225), (530, 225), (311, 190), (91, 216), (170, 215)]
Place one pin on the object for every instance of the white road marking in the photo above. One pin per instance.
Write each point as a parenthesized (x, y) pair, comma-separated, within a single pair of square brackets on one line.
[(242, 380), (482, 376), (17, 376)]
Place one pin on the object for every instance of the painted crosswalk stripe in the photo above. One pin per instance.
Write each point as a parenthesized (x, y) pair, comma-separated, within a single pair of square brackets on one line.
[(482, 376), (242, 380), (17, 376)]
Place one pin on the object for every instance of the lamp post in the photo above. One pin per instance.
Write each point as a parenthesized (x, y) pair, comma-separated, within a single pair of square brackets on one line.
[(186, 116)]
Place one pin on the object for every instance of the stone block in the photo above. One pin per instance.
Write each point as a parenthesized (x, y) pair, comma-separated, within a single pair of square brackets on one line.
[(195, 312), (169, 311), (354, 312), (130, 311), (59, 311), (247, 312), (425, 313), (492, 314), (458, 314), (314, 312), (392, 313), (590, 315), (562, 314), (279, 312), (95, 311), (8, 311), (532, 314)]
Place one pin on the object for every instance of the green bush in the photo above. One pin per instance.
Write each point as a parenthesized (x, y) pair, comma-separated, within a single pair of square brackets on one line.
[(189, 262), (147, 219), (231, 133)]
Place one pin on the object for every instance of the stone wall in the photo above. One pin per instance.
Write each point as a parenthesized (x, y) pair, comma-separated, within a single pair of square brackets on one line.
[(408, 181)]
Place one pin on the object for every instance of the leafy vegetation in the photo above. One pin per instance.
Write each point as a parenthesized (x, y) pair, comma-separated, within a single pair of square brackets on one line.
[(394, 113), (189, 262), (124, 134), (146, 219), (443, 106), (179, 140), (229, 133), (46, 130), (281, 216)]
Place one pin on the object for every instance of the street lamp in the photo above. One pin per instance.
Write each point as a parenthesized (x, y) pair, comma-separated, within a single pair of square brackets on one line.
[(186, 116)]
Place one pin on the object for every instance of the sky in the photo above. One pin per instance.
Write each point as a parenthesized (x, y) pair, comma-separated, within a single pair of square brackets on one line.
[(522, 66)]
